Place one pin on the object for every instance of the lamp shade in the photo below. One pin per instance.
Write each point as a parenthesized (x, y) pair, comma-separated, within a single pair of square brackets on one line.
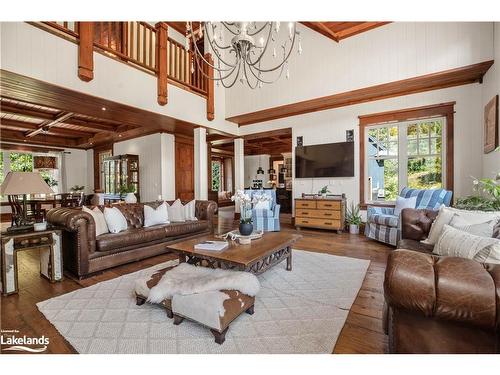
[(17, 183)]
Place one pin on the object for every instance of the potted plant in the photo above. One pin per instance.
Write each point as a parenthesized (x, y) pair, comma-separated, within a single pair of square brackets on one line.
[(129, 192), (486, 197), (324, 190), (50, 181), (246, 227), (353, 218)]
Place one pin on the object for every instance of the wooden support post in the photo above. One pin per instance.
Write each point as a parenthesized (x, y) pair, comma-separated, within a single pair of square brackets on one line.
[(86, 51), (209, 71), (162, 61)]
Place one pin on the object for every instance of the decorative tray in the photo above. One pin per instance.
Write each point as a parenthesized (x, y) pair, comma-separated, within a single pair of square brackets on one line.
[(235, 235)]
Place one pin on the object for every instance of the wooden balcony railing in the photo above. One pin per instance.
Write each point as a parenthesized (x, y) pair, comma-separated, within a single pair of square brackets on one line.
[(136, 44)]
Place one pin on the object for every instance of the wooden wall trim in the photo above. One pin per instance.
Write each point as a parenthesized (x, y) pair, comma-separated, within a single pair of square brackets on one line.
[(442, 110), (434, 81)]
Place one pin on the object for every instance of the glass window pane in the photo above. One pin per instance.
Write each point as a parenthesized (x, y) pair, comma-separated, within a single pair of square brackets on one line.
[(382, 180), (423, 146), (372, 149), (372, 133), (21, 162), (393, 133), (435, 146), (436, 128), (383, 134), (423, 130), (424, 173), (393, 148), (411, 131), (412, 147)]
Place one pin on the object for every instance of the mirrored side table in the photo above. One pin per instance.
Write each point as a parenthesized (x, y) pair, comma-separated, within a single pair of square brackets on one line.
[(48, 242)]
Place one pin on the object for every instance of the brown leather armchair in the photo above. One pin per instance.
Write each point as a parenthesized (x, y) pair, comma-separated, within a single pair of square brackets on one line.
[(439, 304)]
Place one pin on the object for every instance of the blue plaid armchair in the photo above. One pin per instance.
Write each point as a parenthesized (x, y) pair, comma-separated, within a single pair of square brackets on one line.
[(263, 219), (382, 225)]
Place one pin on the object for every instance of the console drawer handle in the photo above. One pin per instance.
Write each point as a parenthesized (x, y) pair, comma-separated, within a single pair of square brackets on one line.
[(305, 221)]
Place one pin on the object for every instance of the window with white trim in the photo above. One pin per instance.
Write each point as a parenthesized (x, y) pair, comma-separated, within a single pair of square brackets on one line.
[(409, 153)]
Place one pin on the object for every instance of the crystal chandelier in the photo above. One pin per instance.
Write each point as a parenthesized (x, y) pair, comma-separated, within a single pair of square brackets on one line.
[(257, 53)]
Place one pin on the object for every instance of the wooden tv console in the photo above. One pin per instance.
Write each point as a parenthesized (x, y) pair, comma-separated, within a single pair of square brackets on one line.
[(321, 213)]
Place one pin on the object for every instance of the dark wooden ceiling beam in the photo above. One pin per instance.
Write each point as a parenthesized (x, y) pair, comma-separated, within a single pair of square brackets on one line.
[(19, 147), (11, 110), (434, 81), (55, 130), (14, 136), (42, 127)]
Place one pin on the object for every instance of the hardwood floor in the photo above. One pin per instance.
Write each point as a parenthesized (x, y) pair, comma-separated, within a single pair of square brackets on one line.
[(362, 332)]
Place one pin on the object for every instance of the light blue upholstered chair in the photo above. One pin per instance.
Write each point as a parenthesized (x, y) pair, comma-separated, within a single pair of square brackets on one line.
[(382, 225), (267, 220)]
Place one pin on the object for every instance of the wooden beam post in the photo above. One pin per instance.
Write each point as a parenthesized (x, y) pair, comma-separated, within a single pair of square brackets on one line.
[(209, 71), (162, 61), (86, 51)]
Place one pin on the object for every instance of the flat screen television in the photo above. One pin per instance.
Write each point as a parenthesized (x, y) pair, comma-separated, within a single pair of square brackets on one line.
[(326, 160)]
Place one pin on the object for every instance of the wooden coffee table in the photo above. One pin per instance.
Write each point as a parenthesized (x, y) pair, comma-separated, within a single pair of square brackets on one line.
[(256, 257)]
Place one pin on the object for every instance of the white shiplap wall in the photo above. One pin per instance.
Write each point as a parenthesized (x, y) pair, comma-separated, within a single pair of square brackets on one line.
[(391, 52), (156, 170)]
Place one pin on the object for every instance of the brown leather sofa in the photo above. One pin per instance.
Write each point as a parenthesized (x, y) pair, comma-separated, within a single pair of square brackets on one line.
[(439, 304), (85, 254)]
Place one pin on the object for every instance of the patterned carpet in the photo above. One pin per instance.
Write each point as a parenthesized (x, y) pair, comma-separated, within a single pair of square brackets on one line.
[(302, 311)]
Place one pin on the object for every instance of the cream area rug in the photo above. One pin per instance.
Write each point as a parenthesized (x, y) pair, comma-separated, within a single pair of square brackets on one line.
[(302, 311)]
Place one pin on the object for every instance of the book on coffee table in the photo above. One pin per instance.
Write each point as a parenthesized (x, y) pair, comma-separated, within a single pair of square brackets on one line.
[(211, 245)]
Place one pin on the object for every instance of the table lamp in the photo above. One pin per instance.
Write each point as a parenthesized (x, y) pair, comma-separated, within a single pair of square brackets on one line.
[(22, 183)]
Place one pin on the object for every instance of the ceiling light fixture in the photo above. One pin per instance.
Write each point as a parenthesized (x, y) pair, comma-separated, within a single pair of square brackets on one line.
[(252, 54), (103, 108)]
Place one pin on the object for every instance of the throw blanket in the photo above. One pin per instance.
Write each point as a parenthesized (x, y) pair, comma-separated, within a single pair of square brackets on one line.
[(187, 279)]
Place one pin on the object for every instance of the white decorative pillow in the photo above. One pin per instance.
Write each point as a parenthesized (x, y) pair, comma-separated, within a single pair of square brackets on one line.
[(176, 212), (480, 229), (401, 203), (457, 243), (115, 220), (190, 211), (155, 216), (447, 213), (99, 220)]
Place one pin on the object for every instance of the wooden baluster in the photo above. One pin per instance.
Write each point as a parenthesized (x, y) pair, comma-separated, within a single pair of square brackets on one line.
[(150, 61), (109, 32), (144, 44), (162, 61), (124, 44), (138, 41), (209, 84), (132, 45), (86, 51)]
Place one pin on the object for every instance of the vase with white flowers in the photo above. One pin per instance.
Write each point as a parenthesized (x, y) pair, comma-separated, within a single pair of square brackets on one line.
[(245, 202)]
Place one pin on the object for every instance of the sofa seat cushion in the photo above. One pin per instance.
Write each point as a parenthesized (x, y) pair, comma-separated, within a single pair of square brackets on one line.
[(384, 219), (179, 229), (131, 236), (414, 245)]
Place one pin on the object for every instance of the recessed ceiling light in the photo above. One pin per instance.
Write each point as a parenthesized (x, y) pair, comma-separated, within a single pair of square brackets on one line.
[(24, 140), (103, 108), (119, 135)]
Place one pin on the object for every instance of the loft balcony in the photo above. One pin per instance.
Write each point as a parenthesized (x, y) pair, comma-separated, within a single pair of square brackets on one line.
[(140, 45)]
